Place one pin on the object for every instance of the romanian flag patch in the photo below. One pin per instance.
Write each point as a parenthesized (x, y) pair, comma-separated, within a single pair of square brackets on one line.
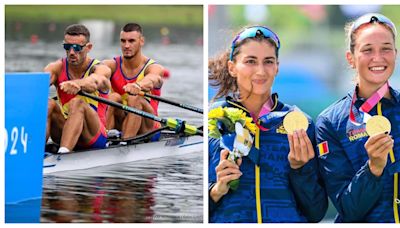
[(323, 148)]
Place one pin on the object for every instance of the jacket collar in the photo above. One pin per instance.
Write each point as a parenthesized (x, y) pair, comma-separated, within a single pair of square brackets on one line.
[(360, 100), (237, 104)]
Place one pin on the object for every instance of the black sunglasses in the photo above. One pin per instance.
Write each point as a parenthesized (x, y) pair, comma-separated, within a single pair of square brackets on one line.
[(76, 47)]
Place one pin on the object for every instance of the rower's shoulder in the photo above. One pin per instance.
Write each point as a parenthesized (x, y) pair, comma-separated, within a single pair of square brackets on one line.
[(152, 66), (54, 67), (149, 61), (110, 63)]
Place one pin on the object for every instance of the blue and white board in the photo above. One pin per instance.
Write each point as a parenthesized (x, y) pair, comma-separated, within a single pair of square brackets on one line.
[(26, 96)]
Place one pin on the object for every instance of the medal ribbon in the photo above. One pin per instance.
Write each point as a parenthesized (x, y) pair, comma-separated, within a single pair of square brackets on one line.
[(265, 109), (367, 105)]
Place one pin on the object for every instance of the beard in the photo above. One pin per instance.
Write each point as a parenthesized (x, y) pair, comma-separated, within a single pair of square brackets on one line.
[(76, 62), (127, 57), (130, 55)]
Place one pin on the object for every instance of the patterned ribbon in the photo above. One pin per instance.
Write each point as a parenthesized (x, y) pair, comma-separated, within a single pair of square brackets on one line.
[(265, 109), (367, 105), (266, 115)]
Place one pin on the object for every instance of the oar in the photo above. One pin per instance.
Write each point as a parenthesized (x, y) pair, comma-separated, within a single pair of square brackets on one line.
[(174, 124), (185, 106)]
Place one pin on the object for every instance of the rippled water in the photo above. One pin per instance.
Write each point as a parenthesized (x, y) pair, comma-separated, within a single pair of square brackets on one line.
[(158, 190)]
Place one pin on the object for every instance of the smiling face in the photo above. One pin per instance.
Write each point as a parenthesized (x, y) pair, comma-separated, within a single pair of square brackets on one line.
[(77, 58), (131, 43), (255, 68), (374, 55)]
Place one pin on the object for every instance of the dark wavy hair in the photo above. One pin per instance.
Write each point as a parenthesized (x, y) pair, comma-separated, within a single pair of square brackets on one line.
[(218, 73)]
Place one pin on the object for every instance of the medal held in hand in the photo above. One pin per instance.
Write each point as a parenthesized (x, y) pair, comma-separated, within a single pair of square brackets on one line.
[(295, 121), (377, 125)]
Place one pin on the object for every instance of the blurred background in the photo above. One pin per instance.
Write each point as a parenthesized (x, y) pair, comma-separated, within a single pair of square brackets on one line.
[(158, 190), (40, 28), (34, 35), (313, 71)]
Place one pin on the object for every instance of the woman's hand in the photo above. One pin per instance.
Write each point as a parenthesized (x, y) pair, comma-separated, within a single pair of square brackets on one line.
[(301, 149), (378, 148), (226, 171)]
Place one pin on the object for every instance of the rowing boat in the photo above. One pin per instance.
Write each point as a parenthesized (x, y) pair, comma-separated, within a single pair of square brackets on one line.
[(168, 145), (183, 139)]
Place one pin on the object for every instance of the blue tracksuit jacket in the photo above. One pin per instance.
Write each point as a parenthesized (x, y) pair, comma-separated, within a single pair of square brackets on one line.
[(287, 195), (357, 194)]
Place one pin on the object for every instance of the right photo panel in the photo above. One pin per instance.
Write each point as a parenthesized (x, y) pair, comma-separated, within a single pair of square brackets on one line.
[(304, 114)]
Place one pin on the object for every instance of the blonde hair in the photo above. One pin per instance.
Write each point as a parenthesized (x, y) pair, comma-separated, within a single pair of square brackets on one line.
[(351, 35)]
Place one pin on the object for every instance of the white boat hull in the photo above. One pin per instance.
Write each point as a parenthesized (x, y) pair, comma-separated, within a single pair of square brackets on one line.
[(122, 154)]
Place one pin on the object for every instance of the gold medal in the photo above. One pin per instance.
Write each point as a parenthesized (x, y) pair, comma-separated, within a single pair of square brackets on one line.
[(377, 125), (295, 121)]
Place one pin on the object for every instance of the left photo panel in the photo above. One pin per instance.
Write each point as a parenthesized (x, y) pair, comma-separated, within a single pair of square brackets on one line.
[(104, 114)]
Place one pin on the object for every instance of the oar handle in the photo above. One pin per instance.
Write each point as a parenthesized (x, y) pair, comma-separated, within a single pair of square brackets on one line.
[(185, 106), (187, 128), (171, 123), (121, 106)]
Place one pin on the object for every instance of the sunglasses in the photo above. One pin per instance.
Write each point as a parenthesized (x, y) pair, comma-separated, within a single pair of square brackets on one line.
[(76, 47), (252, 32), (371, 18)]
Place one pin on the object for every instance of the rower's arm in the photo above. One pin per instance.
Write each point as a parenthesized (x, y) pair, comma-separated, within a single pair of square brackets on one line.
[(54, 68), (153, 77), (111, 64), (98, 80)]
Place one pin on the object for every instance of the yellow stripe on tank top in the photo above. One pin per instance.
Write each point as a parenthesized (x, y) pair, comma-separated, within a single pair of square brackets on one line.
[(395, 178), (258, 197)]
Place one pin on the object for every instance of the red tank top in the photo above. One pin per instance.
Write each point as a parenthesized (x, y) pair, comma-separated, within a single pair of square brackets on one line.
[(119, 80), (64, 98)]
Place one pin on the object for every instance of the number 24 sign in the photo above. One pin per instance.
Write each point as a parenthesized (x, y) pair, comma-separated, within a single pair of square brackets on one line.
[(16, 137)]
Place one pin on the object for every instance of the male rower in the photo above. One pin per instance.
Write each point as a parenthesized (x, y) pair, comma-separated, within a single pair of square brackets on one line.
[(131, 73), (77, 120)]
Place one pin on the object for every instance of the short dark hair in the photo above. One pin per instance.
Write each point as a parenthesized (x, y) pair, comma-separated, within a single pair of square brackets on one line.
[(76, 30), (132, 27)]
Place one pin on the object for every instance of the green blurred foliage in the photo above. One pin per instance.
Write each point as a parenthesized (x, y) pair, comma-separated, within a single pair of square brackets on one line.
[(293, 25), (183, 15), (293, 18), (392, 11)]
